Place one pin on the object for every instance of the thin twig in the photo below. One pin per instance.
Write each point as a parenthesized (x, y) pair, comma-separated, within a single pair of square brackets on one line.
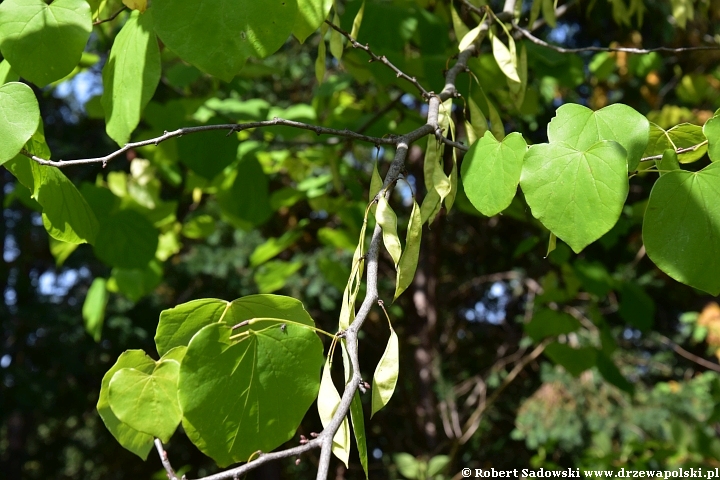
[(543, 43), (111, 18), (230, 127), (678, 152), (164, 459), (690, 356), (380, 58)]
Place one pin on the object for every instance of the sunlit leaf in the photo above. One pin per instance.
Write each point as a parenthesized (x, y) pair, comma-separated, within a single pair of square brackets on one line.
[(44, 42), (711, 130), (328, 401), (688, 136), (577, 194), (19, 118), (387, 219), (491, 172), (505, 59), (310, 15), (386, 374), (93, 310)]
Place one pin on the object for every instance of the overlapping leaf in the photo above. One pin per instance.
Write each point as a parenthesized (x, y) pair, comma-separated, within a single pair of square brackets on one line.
[(580, 127), (44, 42), (248, 380), (491, 172), (682, 226), (19, 118), (310, 15), (328, 401), (577, 194)]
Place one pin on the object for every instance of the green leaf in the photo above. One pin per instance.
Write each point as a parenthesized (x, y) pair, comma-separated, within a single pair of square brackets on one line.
[(147, 401), (274, 246), (636, 307), (711, 130), (137, 442), (408, 465), (461, 30), (248, 198), (273, 275), (496, 125), (505, 59), (437, 464), (612, 374), (387, 219), (126, 240), (66, 215), (477, 119), (321, 57), (178, 325), (130, 76), (328, 401), (687, 135), (7, 74), (469, 38), (491, 172), (681, 226), (581, 128), (548, 323), (535, 12), (198, 227), (263, 366), (218, 37), (574, 360), (658, 141), (93, 310), (548, 10), (19, 118), (386, 374), (357, 21), (578, 195), (310, 15), (517, 90), (42, 42), (358, 424), (409, 260), (135, 283), (336, 40), (61, 250), (668, 162), (208, 153)]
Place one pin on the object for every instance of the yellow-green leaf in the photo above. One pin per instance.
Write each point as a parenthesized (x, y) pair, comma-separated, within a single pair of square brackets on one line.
[(387, 219), (505, 59), (409, 259), (386, 374), (336, 40), (328, 402)]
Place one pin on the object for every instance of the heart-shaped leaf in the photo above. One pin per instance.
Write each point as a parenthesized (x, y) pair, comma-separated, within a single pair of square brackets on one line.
[(178, 325), (147, 401), (688, 136), (19, 118), (260, 383), (44, 42), (577, 194), (137, 442), (491, 172), (682, 225), (218, 36), (580, 127)]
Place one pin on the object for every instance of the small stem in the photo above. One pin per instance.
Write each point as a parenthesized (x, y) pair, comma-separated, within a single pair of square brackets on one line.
[(164, 459), (278, 321)]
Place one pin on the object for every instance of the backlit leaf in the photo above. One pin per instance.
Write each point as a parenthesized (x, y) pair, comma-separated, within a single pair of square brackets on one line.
[(137, 442), (328, 402), (19, 118), (577, 194), (711, 130), (130, 76), (310, 15), (681, 226), (505, 59), (93, 310), (491, 172), (409, 259), (387, 219), (386, 374), (147, 401), (580, 127), (254, 365)]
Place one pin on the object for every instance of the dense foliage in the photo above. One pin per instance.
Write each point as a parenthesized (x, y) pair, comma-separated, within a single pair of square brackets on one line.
[(227, 233)]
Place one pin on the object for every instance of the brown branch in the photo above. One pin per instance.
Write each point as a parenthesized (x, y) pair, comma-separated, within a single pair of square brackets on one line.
[(165, 461), (111, 18), (690, 356), (543, 43), (380, 58), (231, 127)]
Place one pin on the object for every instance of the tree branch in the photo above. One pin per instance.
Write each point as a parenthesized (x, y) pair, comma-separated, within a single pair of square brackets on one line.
[(111, 18), (164, 459), (690, 356), (230, 127), (543, 43), (380, 58)]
